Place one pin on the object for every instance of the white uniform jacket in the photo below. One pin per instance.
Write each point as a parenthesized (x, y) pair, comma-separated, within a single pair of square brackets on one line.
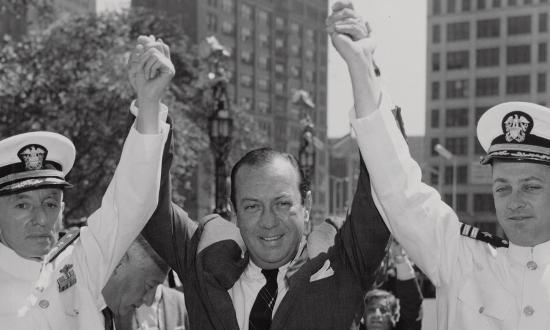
[(478, 287), (128, 203)]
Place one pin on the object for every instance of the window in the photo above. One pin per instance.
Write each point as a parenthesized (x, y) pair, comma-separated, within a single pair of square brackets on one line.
[(434, 118), (310, 35), (213, 3), (295, 50), (457, 89), (518, 84), (246, 80), (295, 29), (310, 55), (295, 71), (436, 34), (461, 174), (543, 22), (279, 44), (279, 23), (528, 2), (434, 174), (246, 57), (263, 84), (466, 5), (264, 41), (456, 117), (458, 60), (280, 88), (263, 62), (451, 6), (435, 62), (309, 76), (478, 149), (228, 6), (541, 82), (436, 7), (487, 86), (519, 25), (279, 68), (263, 107), (246, 12), (457, 145), (512, 3), (479, 112), (263, 17), (484, 203), (488, 28), (246, 103), (480, 4), (211, 22), (518, 54), (542, 52), (487, 57), (435, 90), (458, 31), (461, 202), (246, 34), (228, 27), (496, 3), (433, 143)]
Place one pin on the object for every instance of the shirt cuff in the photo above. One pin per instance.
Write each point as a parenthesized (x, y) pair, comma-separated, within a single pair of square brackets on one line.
[(163, 113)]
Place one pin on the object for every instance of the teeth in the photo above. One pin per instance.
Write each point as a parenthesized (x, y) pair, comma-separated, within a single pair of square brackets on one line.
[(272, 238)]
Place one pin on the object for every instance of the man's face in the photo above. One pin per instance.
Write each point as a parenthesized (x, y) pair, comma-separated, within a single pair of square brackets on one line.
[(134, 283), (522, 201), (270, 213), (378, 315), (27, 221)]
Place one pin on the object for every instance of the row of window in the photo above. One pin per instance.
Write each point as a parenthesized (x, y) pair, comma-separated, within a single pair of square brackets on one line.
[(469, 5), (489, 28), (481, 203), (458, 145), (489, 86), (489, 57), (246, 12), (294, 71)]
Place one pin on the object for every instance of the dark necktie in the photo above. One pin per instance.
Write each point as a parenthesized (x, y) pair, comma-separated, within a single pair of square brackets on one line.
[(109, 318), (260, 315)]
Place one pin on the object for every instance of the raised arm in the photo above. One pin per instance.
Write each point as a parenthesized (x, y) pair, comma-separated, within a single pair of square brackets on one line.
[(132, 194), (426, 227)]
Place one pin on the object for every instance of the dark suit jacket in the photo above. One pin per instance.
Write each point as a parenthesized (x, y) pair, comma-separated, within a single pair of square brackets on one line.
[(328, 303)]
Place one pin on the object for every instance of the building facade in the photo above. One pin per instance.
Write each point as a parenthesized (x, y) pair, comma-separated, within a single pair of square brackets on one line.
[(277, 47), (480, 53)]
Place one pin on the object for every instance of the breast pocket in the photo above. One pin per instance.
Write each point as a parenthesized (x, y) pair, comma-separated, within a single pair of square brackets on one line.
[(483, 304), (70, 300)]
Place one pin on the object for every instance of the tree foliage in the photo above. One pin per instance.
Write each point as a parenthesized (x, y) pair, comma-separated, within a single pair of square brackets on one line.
[(71, 78)]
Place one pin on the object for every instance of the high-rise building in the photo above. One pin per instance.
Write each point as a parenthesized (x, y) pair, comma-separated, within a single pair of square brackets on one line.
[(277, 47), (480, 53)]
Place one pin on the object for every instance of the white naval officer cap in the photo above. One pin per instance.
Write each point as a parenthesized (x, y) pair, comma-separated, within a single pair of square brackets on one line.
[(35, 160), (515, 131)]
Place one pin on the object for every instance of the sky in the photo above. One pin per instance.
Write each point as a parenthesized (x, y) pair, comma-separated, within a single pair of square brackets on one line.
[(399, 27)]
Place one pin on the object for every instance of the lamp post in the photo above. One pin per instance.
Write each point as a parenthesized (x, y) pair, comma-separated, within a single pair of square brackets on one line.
[(306, 153), (220, 123), (443, 152)]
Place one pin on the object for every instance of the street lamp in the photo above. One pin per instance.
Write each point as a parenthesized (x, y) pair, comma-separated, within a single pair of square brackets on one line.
[(443, 152), (220, 123), (306, 153)]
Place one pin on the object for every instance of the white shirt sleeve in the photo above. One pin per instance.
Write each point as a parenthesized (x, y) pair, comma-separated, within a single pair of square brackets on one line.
[(421, 222), (129, 201)]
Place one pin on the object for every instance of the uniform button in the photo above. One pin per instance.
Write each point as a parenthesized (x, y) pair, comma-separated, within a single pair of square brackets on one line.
[(528, 310), (44, 303), (532, 265), (481, 309)]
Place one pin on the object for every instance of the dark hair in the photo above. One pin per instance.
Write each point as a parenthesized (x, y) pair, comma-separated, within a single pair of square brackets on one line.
[(263, 156)]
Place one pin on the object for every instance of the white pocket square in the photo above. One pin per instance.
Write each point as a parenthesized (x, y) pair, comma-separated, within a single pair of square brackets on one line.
[(324, 272)]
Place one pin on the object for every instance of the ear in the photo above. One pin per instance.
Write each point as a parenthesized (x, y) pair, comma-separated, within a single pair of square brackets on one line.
[(307, 214), (232, 211)]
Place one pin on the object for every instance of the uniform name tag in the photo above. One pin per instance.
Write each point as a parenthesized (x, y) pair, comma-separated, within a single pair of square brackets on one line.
[(67, 278)]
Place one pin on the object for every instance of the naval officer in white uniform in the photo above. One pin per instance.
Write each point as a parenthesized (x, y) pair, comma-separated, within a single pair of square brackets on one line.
[(49, 285), (479, 286)]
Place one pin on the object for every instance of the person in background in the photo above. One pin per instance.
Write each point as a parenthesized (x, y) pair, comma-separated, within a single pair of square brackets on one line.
[(136, 295)]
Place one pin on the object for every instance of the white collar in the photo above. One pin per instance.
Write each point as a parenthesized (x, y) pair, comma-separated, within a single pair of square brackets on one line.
[(14, 264), (539, 253)]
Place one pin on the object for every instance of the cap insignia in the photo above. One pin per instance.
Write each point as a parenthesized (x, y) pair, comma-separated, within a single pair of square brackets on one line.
[(33, 156), (516, 126)]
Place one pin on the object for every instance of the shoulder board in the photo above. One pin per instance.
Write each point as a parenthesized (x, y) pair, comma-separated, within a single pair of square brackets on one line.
[(475, 233), (63, 243)]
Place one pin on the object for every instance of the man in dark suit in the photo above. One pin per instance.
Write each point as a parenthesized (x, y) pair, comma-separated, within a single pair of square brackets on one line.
[(257, 274)]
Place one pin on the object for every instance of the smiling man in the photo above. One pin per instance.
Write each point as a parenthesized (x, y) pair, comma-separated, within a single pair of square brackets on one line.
[(479, 285)]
